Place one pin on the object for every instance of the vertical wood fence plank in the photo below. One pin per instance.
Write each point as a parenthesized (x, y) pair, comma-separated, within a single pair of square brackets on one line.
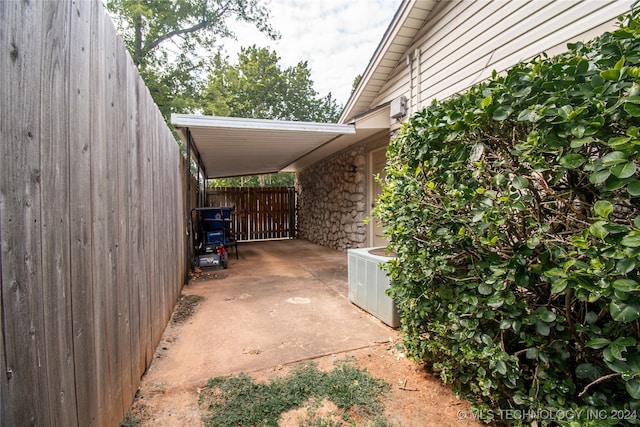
[(133, 228), (20, 177), (146, 225), (164, 304), (82, 295), (124, 270), (101, 258), (54, 161), (153, 230), (6, 12), (6, 412), (114, 264)]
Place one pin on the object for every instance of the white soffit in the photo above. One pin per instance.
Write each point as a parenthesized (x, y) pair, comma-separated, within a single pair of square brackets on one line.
[(367, 125), (230, 146)]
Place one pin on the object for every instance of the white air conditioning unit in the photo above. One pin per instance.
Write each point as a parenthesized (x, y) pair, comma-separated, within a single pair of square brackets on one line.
[(398, 107), (368, 284)]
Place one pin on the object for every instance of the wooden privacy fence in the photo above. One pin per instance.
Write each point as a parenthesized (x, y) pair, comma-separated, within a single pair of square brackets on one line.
[(92, 218), (259, 213)]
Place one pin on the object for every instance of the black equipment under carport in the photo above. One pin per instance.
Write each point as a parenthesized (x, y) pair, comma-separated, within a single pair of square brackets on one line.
[(212, 236)]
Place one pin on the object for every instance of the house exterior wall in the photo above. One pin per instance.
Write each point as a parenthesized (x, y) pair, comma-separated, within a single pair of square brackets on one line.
[(463, 42), (460, 44), (332, 202)]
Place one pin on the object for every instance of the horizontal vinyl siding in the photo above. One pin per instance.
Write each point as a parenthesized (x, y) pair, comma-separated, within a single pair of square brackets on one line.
[(501, 34), (464, 42)]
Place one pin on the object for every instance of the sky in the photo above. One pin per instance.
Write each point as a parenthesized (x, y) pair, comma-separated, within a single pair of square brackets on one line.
[(336, 37)]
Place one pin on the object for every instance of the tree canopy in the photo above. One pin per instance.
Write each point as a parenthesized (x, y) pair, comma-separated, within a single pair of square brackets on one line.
[(258, 87), (171, 40)]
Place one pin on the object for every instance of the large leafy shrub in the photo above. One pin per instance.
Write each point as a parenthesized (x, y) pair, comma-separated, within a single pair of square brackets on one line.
[(514, 209)]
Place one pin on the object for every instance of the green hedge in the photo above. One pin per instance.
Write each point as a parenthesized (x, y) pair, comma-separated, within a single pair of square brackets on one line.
[(514, 209)]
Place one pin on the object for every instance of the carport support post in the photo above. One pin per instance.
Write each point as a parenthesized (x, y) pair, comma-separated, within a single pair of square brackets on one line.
[(188, 222)]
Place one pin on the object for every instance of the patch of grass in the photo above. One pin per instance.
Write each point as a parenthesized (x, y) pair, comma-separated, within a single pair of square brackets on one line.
[(130, 420), (239, 401), (185, 308), (137, 413)]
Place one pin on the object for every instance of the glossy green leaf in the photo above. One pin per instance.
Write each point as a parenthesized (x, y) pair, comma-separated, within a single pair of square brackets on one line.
[(521, 93), (614, 158), (598, 343), (565, 111), (613, 75), (582, 67), (572, 160), (502, 113), (614, 183), (625, 265), (619, 141), (626, 285), (632, 109), (542, 328), (545, 315), (631, 240), (485, 289), (599, 177), (603, 208), (559, 286), (633, 188), (633, 388), (529, 116), (625, 311), (598, 229), (624, 170)]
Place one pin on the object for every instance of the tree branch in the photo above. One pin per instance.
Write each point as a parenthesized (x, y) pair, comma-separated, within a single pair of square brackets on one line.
[(599, 380), (203, 23), (149, 46)]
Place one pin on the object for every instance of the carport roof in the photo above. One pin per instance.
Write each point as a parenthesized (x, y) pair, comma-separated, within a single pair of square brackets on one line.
[(229, 146)]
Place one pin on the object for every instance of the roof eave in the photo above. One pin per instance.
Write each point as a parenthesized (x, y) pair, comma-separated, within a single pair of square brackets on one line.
[(391, 37)]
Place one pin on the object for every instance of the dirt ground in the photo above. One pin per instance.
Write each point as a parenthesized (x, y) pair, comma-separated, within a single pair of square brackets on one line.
[(416, 398)]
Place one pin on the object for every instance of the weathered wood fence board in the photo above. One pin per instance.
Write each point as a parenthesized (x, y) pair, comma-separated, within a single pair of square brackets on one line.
[(92, 218), (259, 213), (22, 299), (81, 214)]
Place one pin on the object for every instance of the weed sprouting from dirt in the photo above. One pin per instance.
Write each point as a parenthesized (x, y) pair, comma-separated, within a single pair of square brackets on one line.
[(239, 400), (185, 308)]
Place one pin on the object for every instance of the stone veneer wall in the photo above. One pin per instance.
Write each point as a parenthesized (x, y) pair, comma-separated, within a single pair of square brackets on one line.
[(332, 201)]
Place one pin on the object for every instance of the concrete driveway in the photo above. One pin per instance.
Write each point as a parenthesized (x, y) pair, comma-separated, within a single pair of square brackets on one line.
[(281, 302)]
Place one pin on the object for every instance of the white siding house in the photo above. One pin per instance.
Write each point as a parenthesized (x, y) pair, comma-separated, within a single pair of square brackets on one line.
[(431, 50)]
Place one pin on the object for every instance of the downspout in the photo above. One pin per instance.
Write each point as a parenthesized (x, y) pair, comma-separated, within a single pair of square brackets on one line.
[(410, 65), (418, 57)]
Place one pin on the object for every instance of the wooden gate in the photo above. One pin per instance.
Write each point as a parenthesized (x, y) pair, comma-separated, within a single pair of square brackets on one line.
[(259, 213)]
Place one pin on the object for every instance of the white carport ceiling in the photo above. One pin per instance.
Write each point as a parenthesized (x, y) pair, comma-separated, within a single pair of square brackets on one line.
[(230, 146)]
